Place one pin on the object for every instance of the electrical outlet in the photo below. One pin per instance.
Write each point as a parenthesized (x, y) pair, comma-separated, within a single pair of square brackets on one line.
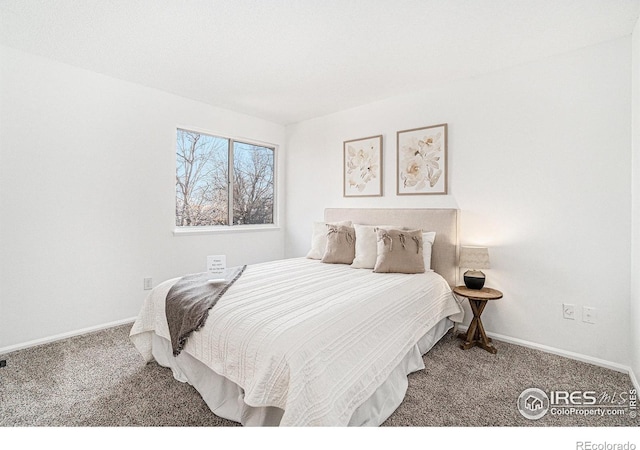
[(148, 284), (568, 311), (588, 314)]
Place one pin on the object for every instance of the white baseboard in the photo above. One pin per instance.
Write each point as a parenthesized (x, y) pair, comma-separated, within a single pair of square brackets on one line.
[(59, 337), (634, 380), (567, 354)]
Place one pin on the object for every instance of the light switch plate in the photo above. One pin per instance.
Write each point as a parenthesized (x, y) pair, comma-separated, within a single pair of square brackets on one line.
[(568, 311)]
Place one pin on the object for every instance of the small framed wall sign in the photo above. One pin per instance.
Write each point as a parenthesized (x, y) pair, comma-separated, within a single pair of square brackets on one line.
[(422, 160), (362, 175)]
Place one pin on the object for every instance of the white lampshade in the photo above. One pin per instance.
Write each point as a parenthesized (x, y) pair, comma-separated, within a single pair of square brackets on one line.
[(474, 257)]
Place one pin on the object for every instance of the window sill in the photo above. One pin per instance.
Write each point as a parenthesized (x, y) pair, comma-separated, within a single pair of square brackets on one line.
[(222, 229)]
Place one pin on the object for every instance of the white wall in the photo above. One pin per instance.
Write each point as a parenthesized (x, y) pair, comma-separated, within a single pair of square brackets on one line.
[(87, 188), (539, 167), (635, 249)]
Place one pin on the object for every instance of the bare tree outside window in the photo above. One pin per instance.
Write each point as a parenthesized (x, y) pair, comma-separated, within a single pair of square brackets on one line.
[(202, 181), (201, 174), (252, 184)]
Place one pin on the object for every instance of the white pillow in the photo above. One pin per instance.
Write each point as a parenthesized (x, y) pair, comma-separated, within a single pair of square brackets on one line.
[(366, 246), (319, 238), (427, 242)]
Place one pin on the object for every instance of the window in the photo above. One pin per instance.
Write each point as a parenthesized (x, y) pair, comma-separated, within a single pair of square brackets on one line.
[(221, 181)]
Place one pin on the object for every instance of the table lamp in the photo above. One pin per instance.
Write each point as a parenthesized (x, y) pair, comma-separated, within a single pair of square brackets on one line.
[(474, 259)]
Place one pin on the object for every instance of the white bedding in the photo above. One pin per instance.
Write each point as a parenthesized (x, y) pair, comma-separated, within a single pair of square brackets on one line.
[(315, 340)]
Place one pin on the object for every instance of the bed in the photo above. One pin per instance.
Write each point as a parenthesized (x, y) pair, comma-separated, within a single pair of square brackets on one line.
[(299, 342)]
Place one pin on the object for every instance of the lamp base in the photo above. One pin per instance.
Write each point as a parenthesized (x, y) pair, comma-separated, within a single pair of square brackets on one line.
[(474, 279)]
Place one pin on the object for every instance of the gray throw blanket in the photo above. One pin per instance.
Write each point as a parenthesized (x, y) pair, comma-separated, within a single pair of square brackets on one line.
[(189, 301)]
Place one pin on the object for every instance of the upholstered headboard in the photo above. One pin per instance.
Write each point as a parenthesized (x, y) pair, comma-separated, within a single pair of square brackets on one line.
[(444, 254)]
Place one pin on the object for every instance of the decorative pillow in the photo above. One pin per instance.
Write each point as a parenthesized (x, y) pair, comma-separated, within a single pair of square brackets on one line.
[(427, 244), (319, 239), (366, 245), (399, 251), (341, 245)]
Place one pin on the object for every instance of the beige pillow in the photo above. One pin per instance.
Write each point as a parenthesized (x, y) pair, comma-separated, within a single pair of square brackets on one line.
[(319, 238), (399, 251), (341, 245)]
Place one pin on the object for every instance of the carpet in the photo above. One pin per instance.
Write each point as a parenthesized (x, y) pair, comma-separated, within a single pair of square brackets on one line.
[(99, 380)]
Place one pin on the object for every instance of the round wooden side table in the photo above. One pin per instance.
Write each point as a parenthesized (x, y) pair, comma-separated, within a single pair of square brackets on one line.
[(478, 299)]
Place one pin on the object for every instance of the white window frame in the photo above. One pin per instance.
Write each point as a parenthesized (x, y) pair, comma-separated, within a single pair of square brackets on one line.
[(215, 229)]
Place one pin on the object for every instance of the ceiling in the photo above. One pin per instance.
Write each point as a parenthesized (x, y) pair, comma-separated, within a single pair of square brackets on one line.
[(292, 60)]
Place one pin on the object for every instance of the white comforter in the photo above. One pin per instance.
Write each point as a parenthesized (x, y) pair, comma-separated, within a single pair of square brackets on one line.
[(313, 339)]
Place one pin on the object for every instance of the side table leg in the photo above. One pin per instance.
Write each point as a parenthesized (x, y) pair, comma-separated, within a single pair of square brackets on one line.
[(476, 334), (469, 338)]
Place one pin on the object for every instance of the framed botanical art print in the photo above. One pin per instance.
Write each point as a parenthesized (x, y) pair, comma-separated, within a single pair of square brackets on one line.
[(362, 173), (422, 160)]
